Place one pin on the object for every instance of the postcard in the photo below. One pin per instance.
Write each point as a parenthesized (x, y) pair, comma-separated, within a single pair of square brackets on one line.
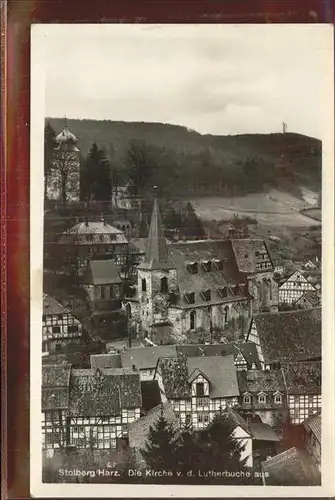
[(181, 282)]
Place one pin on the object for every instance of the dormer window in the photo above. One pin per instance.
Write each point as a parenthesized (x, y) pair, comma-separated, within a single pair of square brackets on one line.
[(247, 399), (200, 390), (206, 295), (262, 398), (189, 298), (112, 237), (207, 266), (101, 237), (278, 398), (192, 267), (223, 292), (217, 265)]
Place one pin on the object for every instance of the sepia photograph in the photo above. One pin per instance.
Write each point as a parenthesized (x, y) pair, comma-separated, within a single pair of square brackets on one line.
[(179, 174)]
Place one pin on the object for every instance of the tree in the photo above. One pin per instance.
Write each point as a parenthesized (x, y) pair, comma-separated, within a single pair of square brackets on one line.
[(49, 154), (96, 178), (139, 166), (161, 447), (66, 170)]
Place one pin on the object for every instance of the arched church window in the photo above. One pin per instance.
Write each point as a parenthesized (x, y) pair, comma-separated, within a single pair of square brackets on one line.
[(144, 285), (192, 320), (164, 285), (226, 314)]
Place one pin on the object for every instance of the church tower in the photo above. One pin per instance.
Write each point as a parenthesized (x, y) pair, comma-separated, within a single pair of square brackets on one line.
[(157, 281), (65, 178)]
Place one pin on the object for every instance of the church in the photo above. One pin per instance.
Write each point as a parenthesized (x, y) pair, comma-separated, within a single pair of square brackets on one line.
[(199, 290)]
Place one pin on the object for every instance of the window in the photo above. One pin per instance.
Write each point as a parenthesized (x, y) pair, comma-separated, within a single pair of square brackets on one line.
[(226, 314), (102, 293), (193, 268), (206, 295), (112, 237), (200, 390), (192, 320), (56, 329), (207, 266), (206, 417), (278, 398), (72, 329), (164, 285), (144, 285), (247, 399), (217, 265), (262, 398), (190, 297), (44, 346)]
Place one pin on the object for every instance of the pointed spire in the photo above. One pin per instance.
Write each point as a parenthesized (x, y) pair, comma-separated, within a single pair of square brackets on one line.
[(156, 256)]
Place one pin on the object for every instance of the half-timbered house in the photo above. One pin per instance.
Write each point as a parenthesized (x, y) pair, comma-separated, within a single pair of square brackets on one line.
[(293, 288), (59, 326), (198, 388)]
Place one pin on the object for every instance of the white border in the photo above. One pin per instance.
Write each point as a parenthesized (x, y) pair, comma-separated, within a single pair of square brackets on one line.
[(37, 488)]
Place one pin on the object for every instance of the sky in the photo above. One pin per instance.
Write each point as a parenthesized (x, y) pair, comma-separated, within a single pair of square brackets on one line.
[(218, 79)]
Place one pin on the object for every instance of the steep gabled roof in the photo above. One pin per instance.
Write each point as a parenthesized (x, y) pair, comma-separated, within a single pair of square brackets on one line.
[(55, 386), (145, 358), (313, 424), (102, 272), (249, 254), (51, 306), (248, 350), (303, 377), (290, 335), (255, 381), (292, 467)]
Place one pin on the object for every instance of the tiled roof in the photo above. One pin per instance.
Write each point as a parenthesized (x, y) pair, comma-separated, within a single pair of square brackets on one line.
[(262, 432), (290, 335), (93, 233), (255, 381), (249, 253), (102, 272), (220, 371), (235, 419), (311, 296), (103, 392), (139, 430), (313, 423), (151, 394), (145, 358), (105, 361), (55, 386), (51, 306), (184, 253), (248, 350), (303, 377), (292, 467)]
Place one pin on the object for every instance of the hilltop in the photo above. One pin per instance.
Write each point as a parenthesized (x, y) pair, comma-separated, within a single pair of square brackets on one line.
[(235, 163)]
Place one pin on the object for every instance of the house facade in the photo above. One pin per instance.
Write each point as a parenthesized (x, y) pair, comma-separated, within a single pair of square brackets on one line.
[(59, 326), (291, 290), (103, 284), (198, 388), (312, 427), (91, 409), (200, 289), (88, 241)]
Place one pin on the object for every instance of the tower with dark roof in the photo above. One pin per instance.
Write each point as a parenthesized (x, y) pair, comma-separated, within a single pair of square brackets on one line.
[(157, 280)]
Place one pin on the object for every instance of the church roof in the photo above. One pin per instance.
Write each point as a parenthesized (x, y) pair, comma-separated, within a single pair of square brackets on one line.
[(102, 272), (156, 255), (66, 136)]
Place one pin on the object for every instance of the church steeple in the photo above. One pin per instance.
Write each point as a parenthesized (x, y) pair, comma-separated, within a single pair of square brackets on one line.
[(156, 256)]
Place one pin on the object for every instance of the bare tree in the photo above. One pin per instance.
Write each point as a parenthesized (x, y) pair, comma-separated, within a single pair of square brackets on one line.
[(284, 127), (65, 173)]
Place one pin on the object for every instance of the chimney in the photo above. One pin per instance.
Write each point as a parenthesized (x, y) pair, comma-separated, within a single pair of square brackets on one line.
[(134, 368)]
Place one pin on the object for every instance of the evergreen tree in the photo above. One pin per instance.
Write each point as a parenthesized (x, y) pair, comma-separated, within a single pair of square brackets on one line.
[(49, 153), (191, 224), (161, 446), (96, 179)]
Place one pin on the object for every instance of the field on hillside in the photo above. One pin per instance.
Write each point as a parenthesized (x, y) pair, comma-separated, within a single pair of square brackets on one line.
[(270, 209)]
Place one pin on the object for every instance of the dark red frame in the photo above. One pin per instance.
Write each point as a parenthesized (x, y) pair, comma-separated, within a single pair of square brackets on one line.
[(15, 151)]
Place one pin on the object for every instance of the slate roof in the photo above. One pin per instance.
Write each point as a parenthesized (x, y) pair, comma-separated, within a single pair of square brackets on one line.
[(156, 253), (105, 361), (93, 233), (248, 350), (145, 358), (103, 392), (290, 335), (303, 377), (220, 371), (262, 432), (292, 467), (55, 386), (51, 306), (255, 381), (102, 272), (313, 423), (248, 253), (138, 431), (188, 252)]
